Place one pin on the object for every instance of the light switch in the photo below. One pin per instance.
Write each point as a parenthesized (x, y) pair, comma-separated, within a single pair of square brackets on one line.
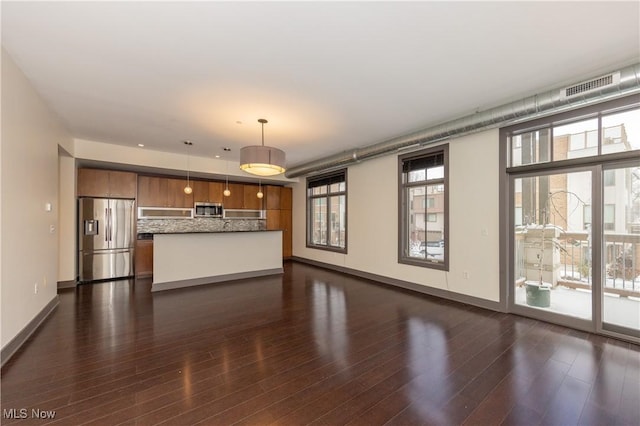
[(47, 207)]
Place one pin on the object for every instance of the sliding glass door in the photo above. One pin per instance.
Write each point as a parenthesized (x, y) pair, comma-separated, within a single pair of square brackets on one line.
[(621, 249), (553, 243), (573, 218)]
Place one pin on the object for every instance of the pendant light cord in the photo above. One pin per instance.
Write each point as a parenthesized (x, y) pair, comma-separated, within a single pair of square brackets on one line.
[(187, 169)]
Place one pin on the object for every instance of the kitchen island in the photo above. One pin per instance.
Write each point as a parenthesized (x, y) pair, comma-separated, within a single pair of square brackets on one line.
[(187, 259)]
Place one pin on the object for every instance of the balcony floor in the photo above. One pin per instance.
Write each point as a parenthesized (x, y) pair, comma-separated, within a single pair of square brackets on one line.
[(622, 311)]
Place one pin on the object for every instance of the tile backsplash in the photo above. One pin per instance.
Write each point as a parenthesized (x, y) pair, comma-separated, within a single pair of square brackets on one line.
[(199, 224)]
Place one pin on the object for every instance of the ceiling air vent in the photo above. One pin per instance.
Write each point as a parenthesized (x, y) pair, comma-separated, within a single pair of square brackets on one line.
[(591, 85)]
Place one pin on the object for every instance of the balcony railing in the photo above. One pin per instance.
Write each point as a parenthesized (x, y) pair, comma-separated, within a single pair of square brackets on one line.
[(570, 262)]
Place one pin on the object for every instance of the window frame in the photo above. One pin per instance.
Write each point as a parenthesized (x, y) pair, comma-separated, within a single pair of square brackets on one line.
[(327, 195), (597, 164), (403, 203), (598, 111)]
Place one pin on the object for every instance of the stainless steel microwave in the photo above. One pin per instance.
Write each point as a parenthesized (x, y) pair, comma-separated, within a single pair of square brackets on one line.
[(207, 209)]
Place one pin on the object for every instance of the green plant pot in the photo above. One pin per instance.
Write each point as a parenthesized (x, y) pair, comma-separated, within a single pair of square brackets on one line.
[(538, 295)]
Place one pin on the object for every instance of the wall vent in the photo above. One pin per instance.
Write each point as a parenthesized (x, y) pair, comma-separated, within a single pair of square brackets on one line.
[(591, 85)]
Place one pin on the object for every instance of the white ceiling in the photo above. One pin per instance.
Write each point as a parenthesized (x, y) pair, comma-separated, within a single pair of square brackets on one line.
[(328, 76)]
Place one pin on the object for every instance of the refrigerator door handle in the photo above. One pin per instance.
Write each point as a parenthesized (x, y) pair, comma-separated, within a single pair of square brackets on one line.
[(110, 224), (106, 224)]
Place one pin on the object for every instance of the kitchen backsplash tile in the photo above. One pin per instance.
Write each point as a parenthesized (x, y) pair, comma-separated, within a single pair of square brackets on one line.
[(173, 226)]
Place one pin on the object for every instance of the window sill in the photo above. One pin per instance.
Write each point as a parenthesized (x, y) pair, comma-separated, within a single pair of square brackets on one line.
[(328, 248), (440, 266)]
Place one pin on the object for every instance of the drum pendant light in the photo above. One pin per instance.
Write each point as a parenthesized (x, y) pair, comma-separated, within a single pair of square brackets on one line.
[(262, 160)]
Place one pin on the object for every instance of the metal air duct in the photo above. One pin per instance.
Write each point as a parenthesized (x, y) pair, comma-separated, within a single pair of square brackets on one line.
[(602, 88)]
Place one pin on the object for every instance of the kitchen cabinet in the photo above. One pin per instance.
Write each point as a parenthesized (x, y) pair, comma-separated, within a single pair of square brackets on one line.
[(156, 191), (207, 192), (176, 196), (236, 199), (272, 197), (106, 183), (279, 216), (273, 219), (215, 192), (152, 191), (285, 198), (200, 191), (287, 233), (251, 200), (144, 258)]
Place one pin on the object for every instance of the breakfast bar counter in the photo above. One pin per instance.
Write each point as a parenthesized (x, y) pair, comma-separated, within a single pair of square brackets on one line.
[(187, 259)]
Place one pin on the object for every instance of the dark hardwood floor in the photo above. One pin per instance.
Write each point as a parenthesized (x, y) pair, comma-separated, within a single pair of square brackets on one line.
[(310, 347)]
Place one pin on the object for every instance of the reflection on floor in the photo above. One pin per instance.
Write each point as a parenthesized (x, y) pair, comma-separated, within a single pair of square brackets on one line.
[(309, 346)]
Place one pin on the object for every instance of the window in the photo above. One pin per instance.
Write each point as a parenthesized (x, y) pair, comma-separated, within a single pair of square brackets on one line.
[(530, 147), (518, 216), (586, 215), (574, 136), (609, 217), (571, 214), (327, 211), (423, 181), (609, 177)]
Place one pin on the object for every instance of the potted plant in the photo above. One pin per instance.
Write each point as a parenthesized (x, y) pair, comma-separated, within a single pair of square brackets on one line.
[(538, 292)]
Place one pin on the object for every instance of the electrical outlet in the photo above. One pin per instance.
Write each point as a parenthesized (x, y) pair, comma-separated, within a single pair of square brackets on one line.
[(465, 274), (35, 288)]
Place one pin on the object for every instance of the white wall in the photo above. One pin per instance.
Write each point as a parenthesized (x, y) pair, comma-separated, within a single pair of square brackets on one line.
[(67, 245), (372, 206), (30, 137)]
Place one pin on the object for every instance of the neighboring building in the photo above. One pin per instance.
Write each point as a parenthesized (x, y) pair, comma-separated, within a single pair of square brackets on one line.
[(565, 200), (427, 214)]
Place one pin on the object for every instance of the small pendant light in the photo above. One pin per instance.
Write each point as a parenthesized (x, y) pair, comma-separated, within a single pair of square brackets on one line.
[(187, 189), (226, 191), (259, 194)]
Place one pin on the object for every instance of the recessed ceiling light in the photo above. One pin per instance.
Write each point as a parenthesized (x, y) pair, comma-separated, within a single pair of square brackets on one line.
[(141, 145), (226, 149), (217, 156)]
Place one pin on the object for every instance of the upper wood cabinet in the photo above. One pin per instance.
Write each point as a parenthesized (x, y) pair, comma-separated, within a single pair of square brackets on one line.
[(272, 196), (152, 191), (207, 192), (236, 199), (200, 191), (285, 198), (163, 192), (215, 192), (251, 200), (106, 183), (176, 196)]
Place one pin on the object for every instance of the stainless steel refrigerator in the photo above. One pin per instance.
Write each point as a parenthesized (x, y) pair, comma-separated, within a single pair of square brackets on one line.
[(106, 238)]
